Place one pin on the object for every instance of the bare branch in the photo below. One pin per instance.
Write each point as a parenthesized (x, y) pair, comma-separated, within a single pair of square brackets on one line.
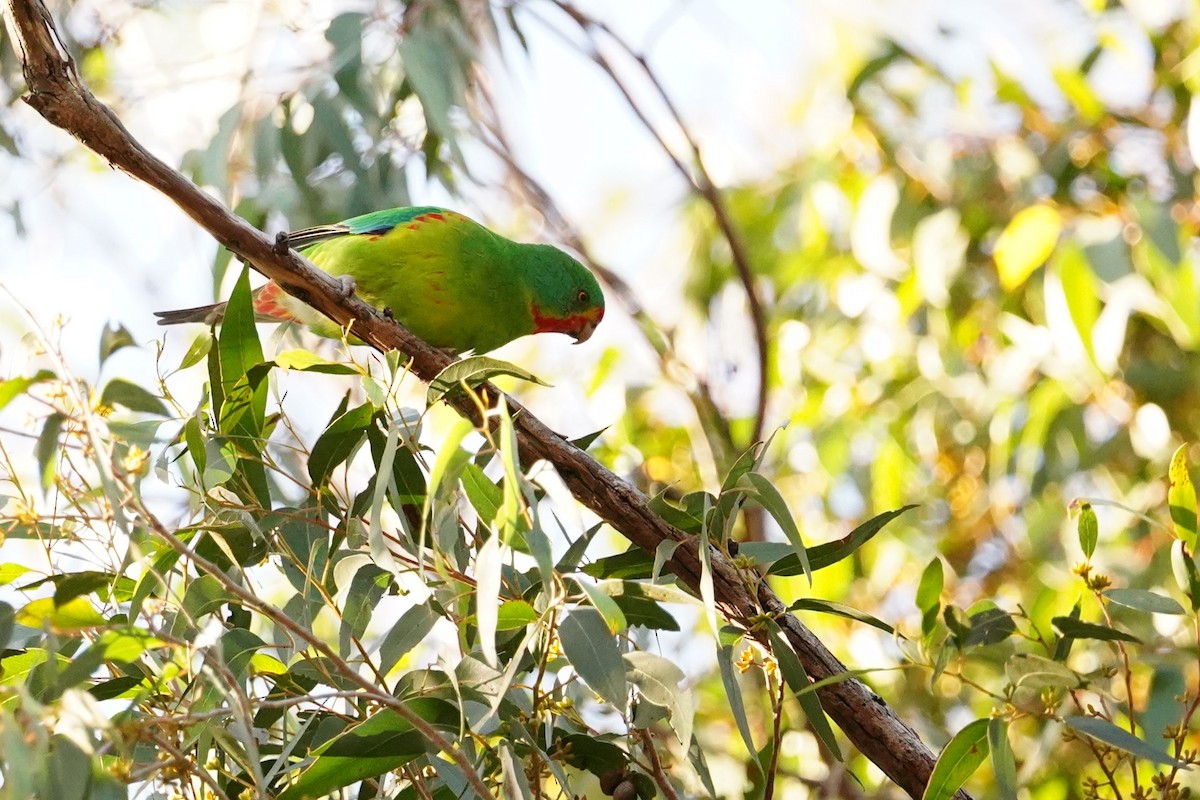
[(697, 176), (57, 94)]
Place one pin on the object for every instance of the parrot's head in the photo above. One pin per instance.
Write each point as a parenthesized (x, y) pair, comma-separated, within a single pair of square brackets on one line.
[(565, 297)]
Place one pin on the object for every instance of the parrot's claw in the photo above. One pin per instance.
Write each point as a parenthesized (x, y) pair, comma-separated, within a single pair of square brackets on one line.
[(387, 313), (346, 286), (281, 243)]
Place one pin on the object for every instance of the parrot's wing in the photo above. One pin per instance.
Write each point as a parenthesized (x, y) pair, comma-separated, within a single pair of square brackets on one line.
[(374, 224)]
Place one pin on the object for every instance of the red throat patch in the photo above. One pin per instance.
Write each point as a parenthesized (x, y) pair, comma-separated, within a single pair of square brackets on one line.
[(573, 324)]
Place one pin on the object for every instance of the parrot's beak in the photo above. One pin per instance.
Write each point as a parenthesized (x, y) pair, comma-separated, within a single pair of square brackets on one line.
[(585, 330)]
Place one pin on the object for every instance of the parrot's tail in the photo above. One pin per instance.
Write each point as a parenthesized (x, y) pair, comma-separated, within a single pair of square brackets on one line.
[(206, 314)]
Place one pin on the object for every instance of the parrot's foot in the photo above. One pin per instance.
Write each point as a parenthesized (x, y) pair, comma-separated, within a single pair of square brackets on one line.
[(281, 243), (387, 313), (345, 286)]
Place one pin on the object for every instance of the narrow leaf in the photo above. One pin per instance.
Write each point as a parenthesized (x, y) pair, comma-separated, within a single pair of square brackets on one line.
[(770, 499), (1004, 765), (958, 761), (824, 555), (1181, 496), (1088, 528), (338, 442), (112, 339), (1143, 600), (384, 742), (120, 392), (1078, 629), (592, 650), (1104, 731), (46, 449), (472, 372)]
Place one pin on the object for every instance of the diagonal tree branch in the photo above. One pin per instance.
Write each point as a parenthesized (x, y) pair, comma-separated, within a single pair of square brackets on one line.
[(56, 93)]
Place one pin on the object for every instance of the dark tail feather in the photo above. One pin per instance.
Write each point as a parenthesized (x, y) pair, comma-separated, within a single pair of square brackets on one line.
[(206, 314)]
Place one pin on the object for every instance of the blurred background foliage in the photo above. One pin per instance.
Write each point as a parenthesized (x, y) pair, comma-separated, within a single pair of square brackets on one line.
[(979, 289)]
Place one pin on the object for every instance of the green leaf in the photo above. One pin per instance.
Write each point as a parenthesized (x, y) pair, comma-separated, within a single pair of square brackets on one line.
[(1181, 496), (585, 441), (9, 572), (366, 589), (990, 626), (1079, 286), (958, 761), (675, 516), (473, 372), (1035, 673), (69, 771), (1143, 600), (658, 680), (765, 493), (800, 684), (338, 443), (1004, 765), (120, 392), (1088, 528), (46, 449), (1183, 565), (113, 339), (1104, 731), (824, 555), (127, 645), (839, 610), (306, 361), (68, 587), (384, 742), (929, 595), (662, 554), (196, 352), (929, 589), (345, 33), (7, 620), (515, 614), (433, 65), (238, 349), (592, 650), (614, 617), (409, 631), (12, 388), (1078, 629), (640, 609), (203, 596), (634, 563), (1026, 243), (733, 693), (485, 496), (193, 438), (406, 472), (71, 617)]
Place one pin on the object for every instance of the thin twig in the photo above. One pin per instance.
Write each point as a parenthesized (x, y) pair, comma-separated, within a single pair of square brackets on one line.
[(697, 177)]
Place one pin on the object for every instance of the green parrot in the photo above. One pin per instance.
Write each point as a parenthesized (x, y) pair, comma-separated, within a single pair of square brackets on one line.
[(446, 278)]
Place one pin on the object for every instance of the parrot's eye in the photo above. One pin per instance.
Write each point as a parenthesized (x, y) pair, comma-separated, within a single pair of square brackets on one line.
[(582, 296)]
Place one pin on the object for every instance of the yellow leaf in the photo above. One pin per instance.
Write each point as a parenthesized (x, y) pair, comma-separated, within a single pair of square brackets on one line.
[(1026, 244), (73, 615), (1181, 497)]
